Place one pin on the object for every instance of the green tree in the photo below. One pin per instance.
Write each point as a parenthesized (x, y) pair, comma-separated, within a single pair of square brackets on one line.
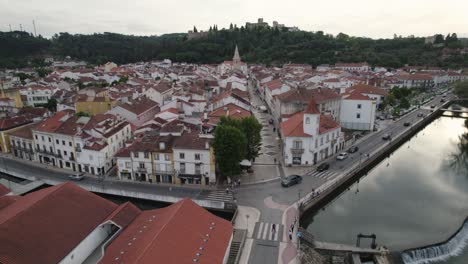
[(43, 72), (404, 103), (83, 114), (229, 147), (461, 89), (51, 104), (251, 129)]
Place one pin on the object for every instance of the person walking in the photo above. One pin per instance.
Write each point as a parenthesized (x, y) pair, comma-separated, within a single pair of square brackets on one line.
[(273, 228), (290, 234)]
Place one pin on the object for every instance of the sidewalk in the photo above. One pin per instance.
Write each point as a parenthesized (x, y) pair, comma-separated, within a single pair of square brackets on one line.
[(245, 219)]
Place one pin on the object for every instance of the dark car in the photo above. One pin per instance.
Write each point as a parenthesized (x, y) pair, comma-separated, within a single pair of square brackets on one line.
[(291, 180), (442, 100), (432, 106), (406, 124), (323, 167), (353, 149)]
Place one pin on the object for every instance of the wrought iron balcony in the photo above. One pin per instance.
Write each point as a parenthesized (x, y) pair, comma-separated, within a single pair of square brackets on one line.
[(297, 150)]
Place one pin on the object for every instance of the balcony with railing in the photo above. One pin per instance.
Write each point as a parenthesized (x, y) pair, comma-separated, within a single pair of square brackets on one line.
[(297, 150), (164, 172), (48, 152), (22, 148), (142, 170)]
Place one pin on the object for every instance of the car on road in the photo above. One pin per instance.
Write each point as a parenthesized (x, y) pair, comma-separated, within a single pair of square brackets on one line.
[(406, 124), (420, 115), (342, 156), (323, 167), (353, 149), (432, 106), (386, 136), (76, 176), (270, 121), (291, 180), (263, 108), (442, 100)]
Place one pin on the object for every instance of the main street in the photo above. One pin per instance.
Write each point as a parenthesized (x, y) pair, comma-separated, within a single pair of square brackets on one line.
[(269, 198)]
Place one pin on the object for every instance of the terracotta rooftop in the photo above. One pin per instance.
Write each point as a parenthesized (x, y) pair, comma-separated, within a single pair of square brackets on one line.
[(46, 225), (172, 235)]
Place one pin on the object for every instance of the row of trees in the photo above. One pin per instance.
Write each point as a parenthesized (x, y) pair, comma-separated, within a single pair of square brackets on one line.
[(236, 140), (270, 46)]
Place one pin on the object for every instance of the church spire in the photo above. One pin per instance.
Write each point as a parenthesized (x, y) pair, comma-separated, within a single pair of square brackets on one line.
[(236, 57)]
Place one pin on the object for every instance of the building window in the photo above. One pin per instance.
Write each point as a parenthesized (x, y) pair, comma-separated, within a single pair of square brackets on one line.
[(64, 153), (316, 143), (358, 115), (307, 120), (359, 106), (63, 142), (42, 137), (182, 168), (57, 141), (297, 144), (135, 154), (35, 136), (328, 138), (166, 157), (182, 155), (197, 156), (128, 164), (197, 169), (141, 165), (156, 156), (69, 144), (50, 140), (321, 141), (146, 154)]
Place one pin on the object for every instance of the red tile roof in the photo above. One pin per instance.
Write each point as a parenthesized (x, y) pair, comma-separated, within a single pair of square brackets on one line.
[(312, 108), (355, 95), (230, 110), (46, 225), (327, 123), (172, 235), (368, 89), (54, 122), (294, 126), (3, 190)]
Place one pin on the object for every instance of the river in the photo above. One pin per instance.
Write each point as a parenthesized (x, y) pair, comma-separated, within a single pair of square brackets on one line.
[(416, 197)]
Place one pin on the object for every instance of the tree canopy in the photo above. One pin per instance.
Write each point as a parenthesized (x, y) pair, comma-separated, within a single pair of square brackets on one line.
[(271, 46)]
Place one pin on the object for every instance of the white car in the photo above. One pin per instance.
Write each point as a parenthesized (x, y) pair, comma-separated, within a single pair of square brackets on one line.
[(342, 156), (76, 177)]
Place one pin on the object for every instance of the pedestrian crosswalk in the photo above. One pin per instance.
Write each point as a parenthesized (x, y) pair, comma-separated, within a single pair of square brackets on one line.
[(266, 231), (323, 174), (216, 195)]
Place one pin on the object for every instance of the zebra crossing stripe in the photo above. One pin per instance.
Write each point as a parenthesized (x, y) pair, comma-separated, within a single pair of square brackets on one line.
[(259, 232), (265, 231), (275, 236)]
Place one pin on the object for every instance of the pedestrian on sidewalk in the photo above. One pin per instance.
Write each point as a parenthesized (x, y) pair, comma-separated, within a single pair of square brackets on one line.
[(238, 182), (273, 228), (290, 234)]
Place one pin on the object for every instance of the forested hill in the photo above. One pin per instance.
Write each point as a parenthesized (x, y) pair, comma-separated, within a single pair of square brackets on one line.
[(263, 45)]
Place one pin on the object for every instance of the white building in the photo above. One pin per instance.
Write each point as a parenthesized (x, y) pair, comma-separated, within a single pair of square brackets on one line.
[(80, 144), (358, 111), (309, 137), (38, 95), (359, 67)]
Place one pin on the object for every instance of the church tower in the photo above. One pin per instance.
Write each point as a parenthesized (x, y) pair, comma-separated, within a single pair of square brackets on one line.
[(236, 60)]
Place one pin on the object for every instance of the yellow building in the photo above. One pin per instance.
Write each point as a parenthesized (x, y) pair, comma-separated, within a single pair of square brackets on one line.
[(94, 105), (12, 93), (8, 125)]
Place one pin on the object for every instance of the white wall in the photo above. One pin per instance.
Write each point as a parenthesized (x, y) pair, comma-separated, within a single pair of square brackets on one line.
[(350, 110)]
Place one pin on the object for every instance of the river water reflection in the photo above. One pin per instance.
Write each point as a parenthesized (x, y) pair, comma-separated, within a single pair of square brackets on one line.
[(417, 196)]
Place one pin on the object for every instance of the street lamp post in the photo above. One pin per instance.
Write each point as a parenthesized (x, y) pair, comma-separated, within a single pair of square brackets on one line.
[(247, 217)]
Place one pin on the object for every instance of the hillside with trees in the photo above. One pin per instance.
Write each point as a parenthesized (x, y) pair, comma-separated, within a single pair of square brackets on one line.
[(269, 46)]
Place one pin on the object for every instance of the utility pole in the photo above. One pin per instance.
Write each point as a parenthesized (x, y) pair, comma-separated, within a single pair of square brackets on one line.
[(9, 26), (21, 27)]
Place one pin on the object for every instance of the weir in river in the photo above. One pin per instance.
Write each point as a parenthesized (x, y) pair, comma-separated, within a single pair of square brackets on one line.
[(439, 252)]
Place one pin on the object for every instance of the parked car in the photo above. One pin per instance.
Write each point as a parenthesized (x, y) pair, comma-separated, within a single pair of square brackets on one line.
[(442, 100), (323, 167), (76, 177), (270, 121), (263, 108), (432, 106), (342, 156), (406, 124), (386, 136), (420, 115), (291, 180), (353, 149)]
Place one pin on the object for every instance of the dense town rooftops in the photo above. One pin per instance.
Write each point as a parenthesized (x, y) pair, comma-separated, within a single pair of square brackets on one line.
[(368, 89), (139, 105)]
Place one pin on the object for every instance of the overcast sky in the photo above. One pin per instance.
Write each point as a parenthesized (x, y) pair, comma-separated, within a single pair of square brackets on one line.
[(372, 18)]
